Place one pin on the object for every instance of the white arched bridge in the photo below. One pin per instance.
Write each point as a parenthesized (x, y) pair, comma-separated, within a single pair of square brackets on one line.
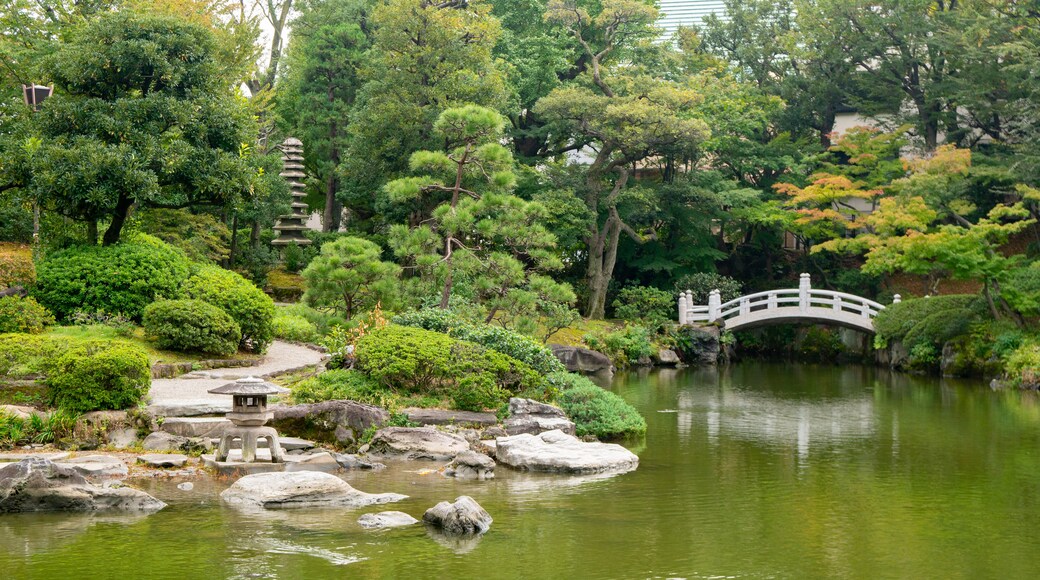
[(802, 304)]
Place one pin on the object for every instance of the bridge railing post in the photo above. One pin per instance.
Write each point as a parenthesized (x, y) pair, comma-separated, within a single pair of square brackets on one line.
[(683, 308), (804, 288), (897, 299), (771, 301), (714, 305)]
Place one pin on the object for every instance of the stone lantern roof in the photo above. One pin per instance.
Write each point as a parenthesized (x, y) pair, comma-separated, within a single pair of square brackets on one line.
[(249, 386)]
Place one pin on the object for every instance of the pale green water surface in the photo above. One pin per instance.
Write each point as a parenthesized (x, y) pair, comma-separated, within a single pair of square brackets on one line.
[(755, 471)]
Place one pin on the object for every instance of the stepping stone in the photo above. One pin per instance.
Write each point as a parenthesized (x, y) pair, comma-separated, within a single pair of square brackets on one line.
[(97, 466), (163, 460), (195, 426), (189, 408)]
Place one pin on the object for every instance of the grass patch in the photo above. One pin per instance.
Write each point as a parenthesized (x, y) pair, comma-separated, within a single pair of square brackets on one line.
[(84, 333), (573, 335)]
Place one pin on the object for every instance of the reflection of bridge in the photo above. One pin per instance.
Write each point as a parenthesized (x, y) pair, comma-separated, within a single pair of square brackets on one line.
[(802, 304)]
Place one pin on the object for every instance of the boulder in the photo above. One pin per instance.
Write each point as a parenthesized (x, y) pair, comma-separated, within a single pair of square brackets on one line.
[(163, 460), (704, 344), (556, 451), (528, 416), (19, 411), (416, 443), (463, 517), (581, 360), (340, 422), (320, 461), (347, 461), (121, 438), (300, 489), (40, 485), (471, 465), (666, 357), (97, 466), (386, 520), (446, 417)]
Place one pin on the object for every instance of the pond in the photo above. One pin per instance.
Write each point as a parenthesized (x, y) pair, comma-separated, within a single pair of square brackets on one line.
[(752, 471)]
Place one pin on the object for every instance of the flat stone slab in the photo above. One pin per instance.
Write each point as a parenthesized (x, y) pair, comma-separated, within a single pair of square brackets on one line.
[(386, 520), (447, 417), (555, 451), (163, 460), (195, 426), (49, 455), (97, 466), (287, 443), (300, 489), (190, 408)]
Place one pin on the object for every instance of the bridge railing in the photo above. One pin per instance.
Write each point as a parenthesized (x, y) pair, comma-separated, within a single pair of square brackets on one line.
[(803, 298)]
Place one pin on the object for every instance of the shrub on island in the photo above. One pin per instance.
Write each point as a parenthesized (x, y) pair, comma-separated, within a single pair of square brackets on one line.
[(192, 326), (594, 410), (418, 361)]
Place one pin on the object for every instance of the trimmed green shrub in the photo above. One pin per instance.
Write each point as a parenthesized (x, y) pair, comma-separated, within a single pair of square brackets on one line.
[(26, 356), (344, 384), (190, 326), (26, 315), (99, 375), (702, 283), (323, 322), (122, 278), (624, 346), (927, 320), (239, 298), (294, 328), (1023, 365), (594, 410), (1022, 290), (507, 342), (646, 303), (414, 360)]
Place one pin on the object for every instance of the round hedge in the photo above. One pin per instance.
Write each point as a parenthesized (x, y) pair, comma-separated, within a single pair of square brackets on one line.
[(190, 326), (123, 278), (98, 376), (594, 410), (26, 315), (239, 298)]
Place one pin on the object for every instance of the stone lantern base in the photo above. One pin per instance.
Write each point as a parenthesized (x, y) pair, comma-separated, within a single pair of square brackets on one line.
[(249, 436)]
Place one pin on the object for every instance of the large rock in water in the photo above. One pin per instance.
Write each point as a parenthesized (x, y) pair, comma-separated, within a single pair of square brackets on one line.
[(300, 489), (386, 520), (704, 344), (465, 516), (416, 443), (341, 422), (581, 360), (528, 416), (471, 465), (556, 451), (40, 485)]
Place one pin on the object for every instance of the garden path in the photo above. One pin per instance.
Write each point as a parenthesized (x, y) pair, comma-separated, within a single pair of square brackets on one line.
[(187, 395)]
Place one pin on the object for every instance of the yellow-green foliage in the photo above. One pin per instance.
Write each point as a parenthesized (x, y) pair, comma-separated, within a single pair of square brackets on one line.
[(99, 376), (16, 265), (26, 315)]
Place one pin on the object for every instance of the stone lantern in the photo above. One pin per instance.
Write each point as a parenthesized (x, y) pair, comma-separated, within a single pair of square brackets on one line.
[(248, 415)]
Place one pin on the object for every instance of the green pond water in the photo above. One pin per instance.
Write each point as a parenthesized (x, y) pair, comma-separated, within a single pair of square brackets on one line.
[(753, 471)]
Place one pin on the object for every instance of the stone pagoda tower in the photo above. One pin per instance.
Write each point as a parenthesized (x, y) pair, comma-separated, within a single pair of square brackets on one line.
[(290, 227)]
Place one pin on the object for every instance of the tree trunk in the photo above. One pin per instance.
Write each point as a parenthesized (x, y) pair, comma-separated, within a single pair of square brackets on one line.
[(446, 293), (254, 235), (118, 220), (92, 232), (234, 241)]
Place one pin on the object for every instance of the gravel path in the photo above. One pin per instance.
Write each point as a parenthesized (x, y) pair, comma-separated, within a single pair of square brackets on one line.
[(189, 391)]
